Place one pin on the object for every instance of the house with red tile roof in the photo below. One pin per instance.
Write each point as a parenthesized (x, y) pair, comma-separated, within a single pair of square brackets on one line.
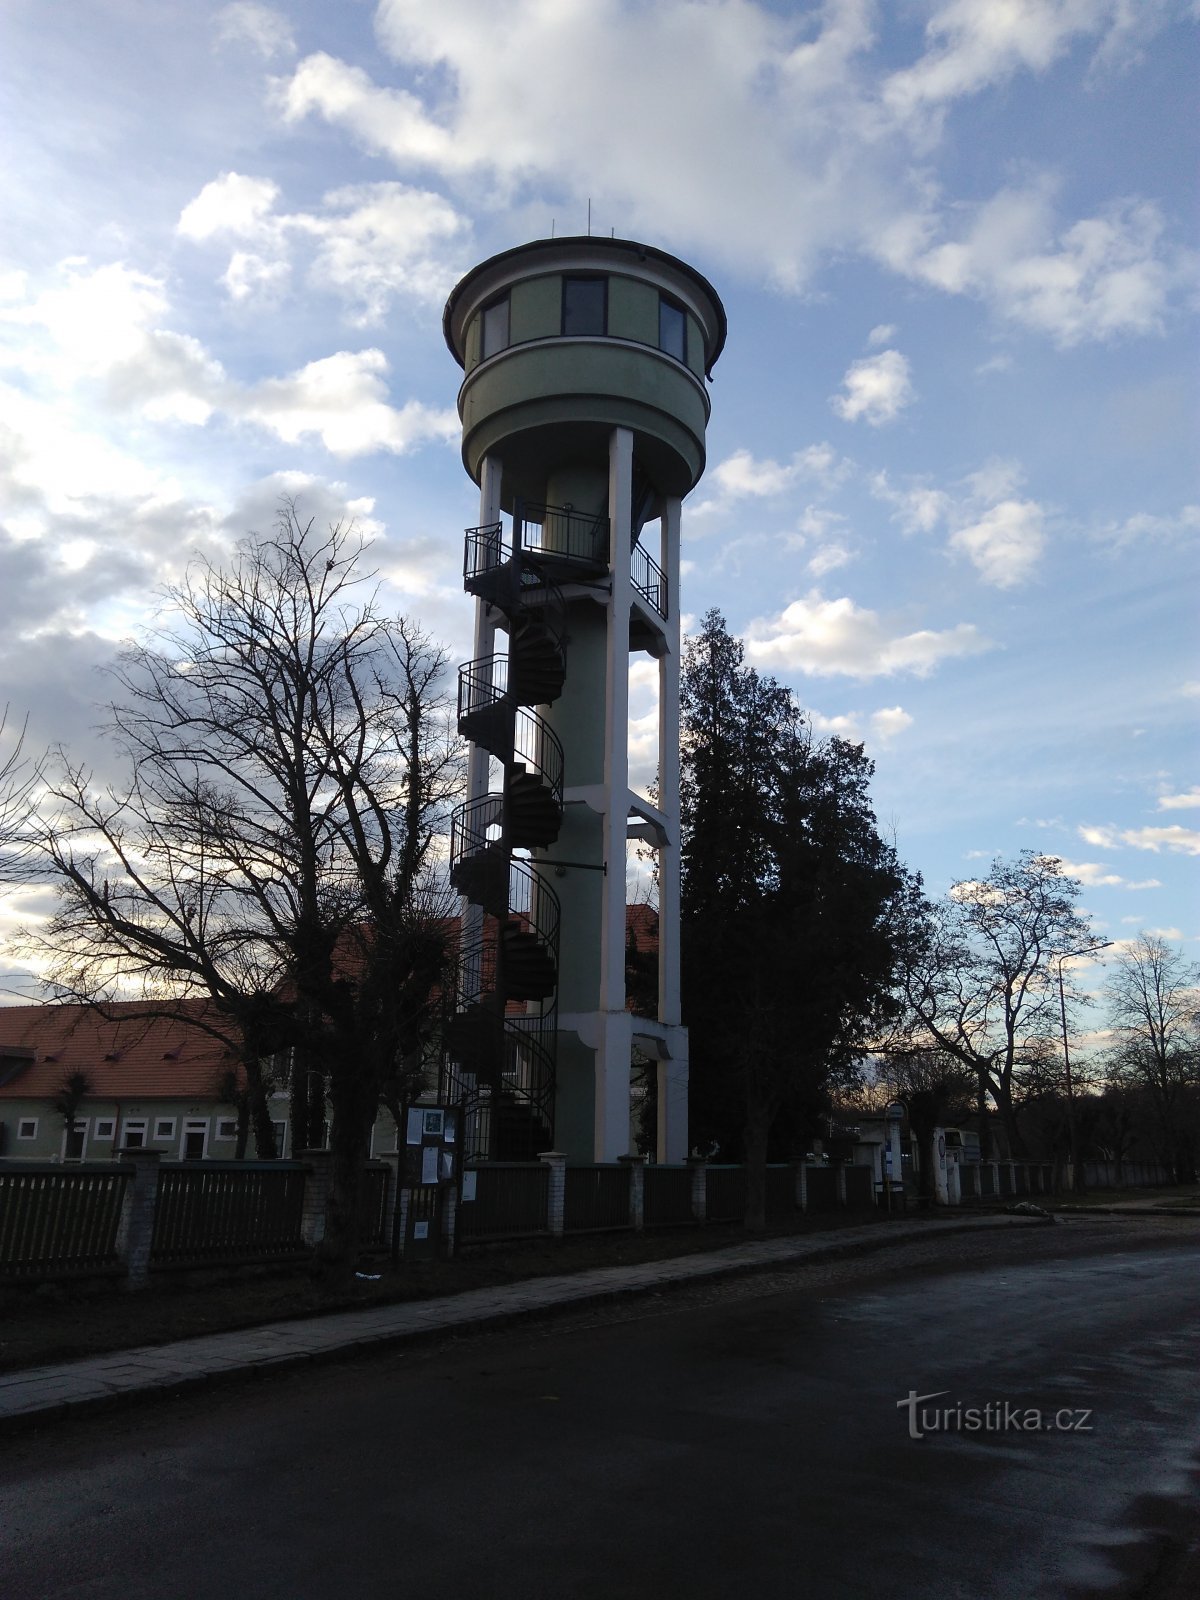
[(132, 1080)]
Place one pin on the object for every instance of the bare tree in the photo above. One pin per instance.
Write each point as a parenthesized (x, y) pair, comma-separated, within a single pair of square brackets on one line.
[(19, 775), (1155, 999), (982, 986), (289, 761)]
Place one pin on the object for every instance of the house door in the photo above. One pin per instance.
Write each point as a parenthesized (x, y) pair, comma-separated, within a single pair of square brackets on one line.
[(195, 1139)]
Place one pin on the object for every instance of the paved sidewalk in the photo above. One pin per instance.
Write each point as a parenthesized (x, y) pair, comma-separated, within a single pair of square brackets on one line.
[(39, 1393)]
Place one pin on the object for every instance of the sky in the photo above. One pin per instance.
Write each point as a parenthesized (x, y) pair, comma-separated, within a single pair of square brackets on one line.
[(950, 496)]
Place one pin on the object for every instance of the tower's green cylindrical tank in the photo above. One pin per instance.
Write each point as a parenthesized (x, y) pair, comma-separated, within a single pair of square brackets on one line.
[(561, 341)]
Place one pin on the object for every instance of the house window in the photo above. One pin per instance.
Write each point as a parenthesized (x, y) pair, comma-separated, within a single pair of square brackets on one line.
[(27, 1128), (280, 1139), (133, 1133), (585, 306), (75, 1140), (105, 1127), (195, 1139), (672, 329), (164, 1128), (495, 328), (226, 1128)]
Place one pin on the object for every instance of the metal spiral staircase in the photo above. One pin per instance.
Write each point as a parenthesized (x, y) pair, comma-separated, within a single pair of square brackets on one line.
[(502, 1026)]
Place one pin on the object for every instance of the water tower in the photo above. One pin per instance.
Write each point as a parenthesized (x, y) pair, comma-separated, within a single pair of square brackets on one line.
[(584, 406)]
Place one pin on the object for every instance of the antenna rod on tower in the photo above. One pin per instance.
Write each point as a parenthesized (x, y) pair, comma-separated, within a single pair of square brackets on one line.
[(589, 216)]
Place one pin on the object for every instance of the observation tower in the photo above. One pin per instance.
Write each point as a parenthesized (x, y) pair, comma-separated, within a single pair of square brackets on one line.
[(584, 406)]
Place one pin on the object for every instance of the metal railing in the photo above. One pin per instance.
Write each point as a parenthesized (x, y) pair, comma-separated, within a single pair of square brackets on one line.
[(534, 902), (649, 579), (539, 749), (596, 1197), (725, 1194), (511, 1200), (860, 1186), (821, 1187), (485, 550), (228, 1209), (563, 533), (667, 1196), (481, 683), (62, 1218)]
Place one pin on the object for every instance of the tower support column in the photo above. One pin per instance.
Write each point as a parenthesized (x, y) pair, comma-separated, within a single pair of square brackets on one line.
[(616, 1036)]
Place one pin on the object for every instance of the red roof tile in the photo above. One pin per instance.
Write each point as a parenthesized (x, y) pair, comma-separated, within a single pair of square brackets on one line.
[(129, 1055)]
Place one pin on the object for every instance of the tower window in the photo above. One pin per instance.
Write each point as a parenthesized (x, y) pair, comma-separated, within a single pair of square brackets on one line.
[(672, 329), (495, 328), (585, 306)]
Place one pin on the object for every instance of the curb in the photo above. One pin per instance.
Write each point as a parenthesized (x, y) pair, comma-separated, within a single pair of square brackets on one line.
[(213, 1368)]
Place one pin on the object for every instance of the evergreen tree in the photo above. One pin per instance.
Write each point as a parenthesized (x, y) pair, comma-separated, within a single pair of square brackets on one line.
[(792, 906)]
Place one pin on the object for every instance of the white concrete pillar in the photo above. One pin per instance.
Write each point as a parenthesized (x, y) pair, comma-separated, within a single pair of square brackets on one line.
[(613, 1057), (673, 1101), (668, 777), (616, 722), (484, 642)]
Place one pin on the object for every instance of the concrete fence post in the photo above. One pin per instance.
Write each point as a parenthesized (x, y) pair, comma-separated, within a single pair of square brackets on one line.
[(699, 1188), (800, 1180), (637, 1190), (317, 1181), (135, 1233), (556, 1196)]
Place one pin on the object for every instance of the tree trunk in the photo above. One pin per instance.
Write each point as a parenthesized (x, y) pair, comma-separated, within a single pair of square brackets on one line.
[(260, 1111), (243, 1128), (758, 1127), (985, 1126), (353, 1112)]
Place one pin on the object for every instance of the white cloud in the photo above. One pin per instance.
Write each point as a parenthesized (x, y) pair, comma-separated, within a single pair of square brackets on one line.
[(1003, 536), (694, 94), (890, 721), (877, 389), (1006, 542), (918, 508), (744, 476), (341, 399), (103, 324), (1186, 801), (1100, 277), (884, 333), (1186, 840), (1174, 837), (262, 27), (1096, 875), (1145, 526), (875, 728), (369, 244), (822, 636), (251, 277), (231, 204), (971, 46), (828, 558)]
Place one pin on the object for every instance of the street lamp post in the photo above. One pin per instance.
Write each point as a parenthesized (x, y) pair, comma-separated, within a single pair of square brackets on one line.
[(1072, 1130)]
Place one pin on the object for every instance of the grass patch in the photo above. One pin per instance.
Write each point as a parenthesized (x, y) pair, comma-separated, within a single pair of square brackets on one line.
[(63, 1320)]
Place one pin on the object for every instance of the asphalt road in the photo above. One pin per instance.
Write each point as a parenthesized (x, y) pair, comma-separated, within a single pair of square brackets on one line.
[(743, 1439)]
